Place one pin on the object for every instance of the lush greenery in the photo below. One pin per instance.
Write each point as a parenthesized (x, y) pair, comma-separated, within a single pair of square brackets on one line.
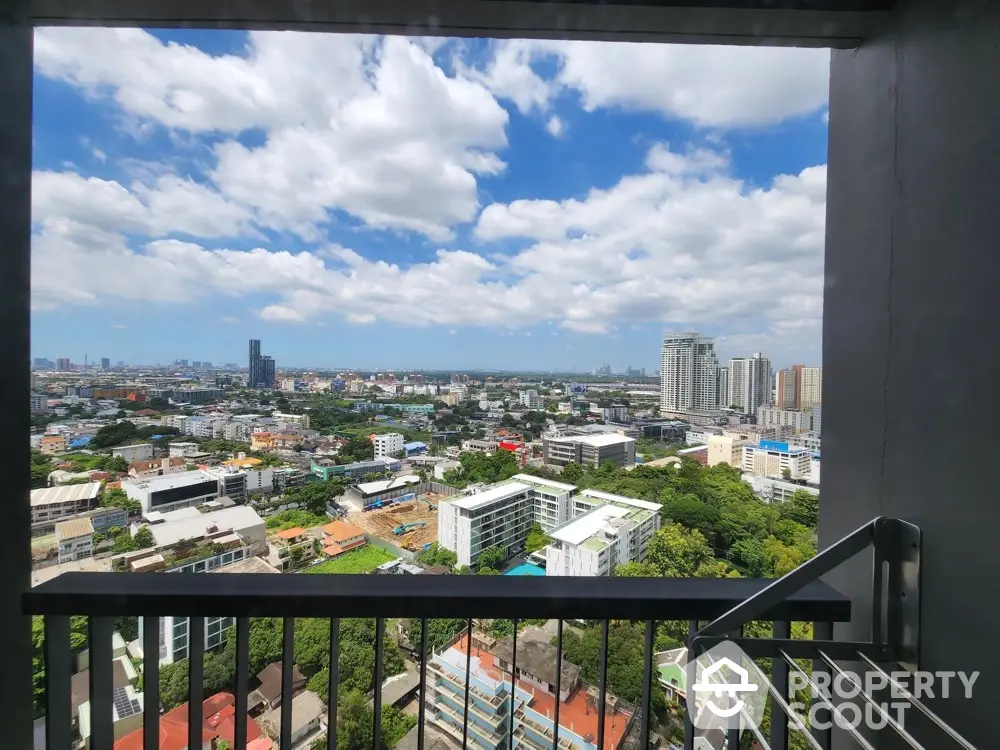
[(126, 542), (313, 497), (482, 467), (289, 519), (363, 560), (653, 449), (40, 469), (437, 555), (536, 539), (125, 431), (116, 498), (311, 652), (439, 631), (491, 558), (354, 725)]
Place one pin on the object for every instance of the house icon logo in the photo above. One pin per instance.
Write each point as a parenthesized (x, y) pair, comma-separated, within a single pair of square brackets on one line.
[(728, 690)]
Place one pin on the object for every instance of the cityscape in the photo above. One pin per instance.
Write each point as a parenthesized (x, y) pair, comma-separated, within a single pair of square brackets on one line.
[(256, 468)]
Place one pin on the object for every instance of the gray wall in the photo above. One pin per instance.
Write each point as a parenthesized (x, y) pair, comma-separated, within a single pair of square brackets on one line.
[(912, 305)]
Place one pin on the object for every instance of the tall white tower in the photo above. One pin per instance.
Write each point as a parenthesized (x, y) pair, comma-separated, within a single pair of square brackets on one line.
[(688, 373)]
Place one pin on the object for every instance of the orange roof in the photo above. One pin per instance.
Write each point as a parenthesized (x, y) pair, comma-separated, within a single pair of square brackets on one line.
[(341, 531), (333, 549), (291, 533), (219, 723)]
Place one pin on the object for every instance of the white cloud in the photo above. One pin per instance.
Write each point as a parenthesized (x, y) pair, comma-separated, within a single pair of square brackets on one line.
[(119, 326), (229, 319), (100, 155), (281, 314), (368, 126), (710, 86), (555, 126)]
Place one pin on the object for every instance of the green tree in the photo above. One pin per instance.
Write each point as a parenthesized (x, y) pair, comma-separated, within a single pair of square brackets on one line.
[(536, 539), (113, 434), (313, 497), (491, 557), (572, 473), (437, 555), (488, 572), (116, 498), (802, 507)]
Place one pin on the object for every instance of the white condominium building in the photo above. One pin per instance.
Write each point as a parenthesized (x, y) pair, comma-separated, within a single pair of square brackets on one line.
[(688, 373), (500, 516), (388, 445), (616, 531), (550, 500), (777, 460), (810, 387), (797, 421)]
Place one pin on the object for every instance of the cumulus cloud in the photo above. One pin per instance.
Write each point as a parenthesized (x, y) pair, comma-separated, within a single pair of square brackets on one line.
[(710, 86), (363, 125), (555, 126)]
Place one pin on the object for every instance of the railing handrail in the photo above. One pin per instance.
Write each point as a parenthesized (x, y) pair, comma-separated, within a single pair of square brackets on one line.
[(248, 594)]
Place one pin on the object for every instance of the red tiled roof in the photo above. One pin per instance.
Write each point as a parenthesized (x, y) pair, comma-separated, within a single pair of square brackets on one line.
[(339, 531), (291, 533), (333, 549), (220, 723)]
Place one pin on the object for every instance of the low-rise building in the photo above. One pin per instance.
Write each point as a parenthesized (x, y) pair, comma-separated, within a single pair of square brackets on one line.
[(772, 490), (218, 723), (777, 460), (52, 445), (479, 446), (589, 450), (388, 445), (133, 453), (173, 491), (183, 450), (499, 516), (308, 717), (726, 449), (51, 503), (340, 537), (75, 539), (146, 469), (326, 469)]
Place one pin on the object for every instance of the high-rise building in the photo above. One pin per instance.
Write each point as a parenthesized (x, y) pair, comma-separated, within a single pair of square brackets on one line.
[(261, 368), (722, 387), (63, 364), (750, 382), (688, 372), (43, 363), (787, 391), (810, 387), (105, 363)]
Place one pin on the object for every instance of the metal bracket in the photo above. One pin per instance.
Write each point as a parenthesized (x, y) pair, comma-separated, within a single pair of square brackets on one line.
[(896, 590)]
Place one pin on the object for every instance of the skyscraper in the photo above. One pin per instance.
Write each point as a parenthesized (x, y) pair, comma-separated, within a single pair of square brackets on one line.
[(688, 373), (750, 382), (253, 366), (787, 391), (266, 372), (810, 387), (105, 363), (722, 387)]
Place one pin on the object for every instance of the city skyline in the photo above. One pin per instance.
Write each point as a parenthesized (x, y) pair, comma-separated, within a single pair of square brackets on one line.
[(423, 203)]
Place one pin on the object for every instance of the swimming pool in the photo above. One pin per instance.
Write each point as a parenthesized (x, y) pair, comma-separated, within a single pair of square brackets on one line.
[(525, 569)]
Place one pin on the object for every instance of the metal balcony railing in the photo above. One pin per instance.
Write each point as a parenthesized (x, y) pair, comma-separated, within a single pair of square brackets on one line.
[(101, 597)]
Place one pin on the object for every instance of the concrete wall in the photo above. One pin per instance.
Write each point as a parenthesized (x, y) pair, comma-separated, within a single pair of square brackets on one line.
[(910, 310)]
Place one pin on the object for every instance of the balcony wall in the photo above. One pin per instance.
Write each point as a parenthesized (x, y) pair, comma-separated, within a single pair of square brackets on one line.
[(911, 305)]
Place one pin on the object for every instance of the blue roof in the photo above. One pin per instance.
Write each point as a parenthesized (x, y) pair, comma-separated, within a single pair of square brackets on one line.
[(414, 446)]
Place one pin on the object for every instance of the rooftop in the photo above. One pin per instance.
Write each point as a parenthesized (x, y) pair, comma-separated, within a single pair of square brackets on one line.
[(341, 531), (167, 482), (584, 527), (621, 500), (530, 479), (74, 528), (291, 533), (597, 441), (250, 565), (65, 494), (190, 523), (388, 484), (470, 502)]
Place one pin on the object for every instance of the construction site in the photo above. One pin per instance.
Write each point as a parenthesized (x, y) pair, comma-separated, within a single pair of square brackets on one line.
[(410, 525)]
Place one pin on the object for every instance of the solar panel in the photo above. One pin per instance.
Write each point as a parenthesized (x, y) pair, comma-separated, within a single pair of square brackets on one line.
[(124, 705)]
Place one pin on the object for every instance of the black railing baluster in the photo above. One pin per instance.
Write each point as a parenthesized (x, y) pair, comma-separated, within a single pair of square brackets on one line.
[(242, 681), (468, 683), (733, 733), (422, 708), (151, 683), (779, 678), (688, 694), (647, 686), (822, 631), (333, 686), (287, 672), (377, 687), (602, 685), (196, 680), (58, 668), (513, 685), (559, 650), (101, 682)]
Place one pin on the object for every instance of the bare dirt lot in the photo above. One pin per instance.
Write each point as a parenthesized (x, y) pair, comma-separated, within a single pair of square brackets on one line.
[(382, 522)]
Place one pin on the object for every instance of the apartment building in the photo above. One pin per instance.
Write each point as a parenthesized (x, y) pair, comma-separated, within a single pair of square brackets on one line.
[(51, 503), (589, 450), (39, 403), (688, 373), (777, 460), (492, 725), (499, 516), (615, 532), (796, 421), (550, 500), (810, 387), (726, 448), (531, 400), (388, 445), (133, 453)]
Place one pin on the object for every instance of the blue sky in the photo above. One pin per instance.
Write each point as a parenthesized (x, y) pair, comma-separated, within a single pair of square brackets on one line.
[(373, 202)]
